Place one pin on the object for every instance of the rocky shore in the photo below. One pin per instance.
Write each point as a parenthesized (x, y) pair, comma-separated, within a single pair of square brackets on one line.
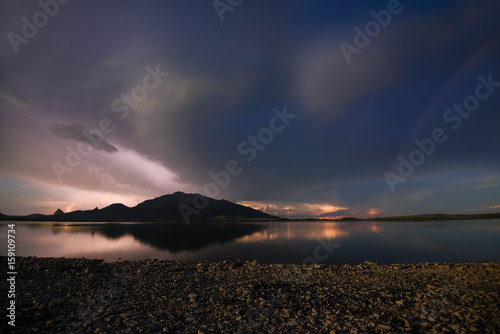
[(92, 296)]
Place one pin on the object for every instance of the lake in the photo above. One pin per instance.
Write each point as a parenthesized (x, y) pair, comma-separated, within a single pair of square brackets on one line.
[(267, 242)]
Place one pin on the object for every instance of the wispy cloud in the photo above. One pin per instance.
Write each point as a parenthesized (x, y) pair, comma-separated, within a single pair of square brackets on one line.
[(78, 133)]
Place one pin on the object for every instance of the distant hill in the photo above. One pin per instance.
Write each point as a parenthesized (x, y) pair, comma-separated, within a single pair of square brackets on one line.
[(423, 217), (438, 216), (58, 212), (164, 208)]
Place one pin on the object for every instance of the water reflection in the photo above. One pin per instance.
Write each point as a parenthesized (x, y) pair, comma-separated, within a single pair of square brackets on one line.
[(174, 237), (272, 242), (297, 231)]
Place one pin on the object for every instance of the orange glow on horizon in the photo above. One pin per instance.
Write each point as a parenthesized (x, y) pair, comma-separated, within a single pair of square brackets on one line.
[(300, 209)]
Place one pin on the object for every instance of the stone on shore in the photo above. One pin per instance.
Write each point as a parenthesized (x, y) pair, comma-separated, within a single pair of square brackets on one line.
[(81, 296)]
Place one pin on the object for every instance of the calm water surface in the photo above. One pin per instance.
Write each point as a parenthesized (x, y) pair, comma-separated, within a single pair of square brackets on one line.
[(268, 242)]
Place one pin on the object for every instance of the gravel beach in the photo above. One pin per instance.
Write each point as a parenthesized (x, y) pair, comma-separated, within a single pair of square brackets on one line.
[(92, 296)]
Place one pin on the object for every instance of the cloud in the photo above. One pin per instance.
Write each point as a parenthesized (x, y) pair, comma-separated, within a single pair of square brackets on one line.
[(14, 100), (226, 78), (336, 213), (327, 85), (297, 210), (78, 133)]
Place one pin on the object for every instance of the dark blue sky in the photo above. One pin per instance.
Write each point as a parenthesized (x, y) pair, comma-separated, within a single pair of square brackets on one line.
[(357, 105)]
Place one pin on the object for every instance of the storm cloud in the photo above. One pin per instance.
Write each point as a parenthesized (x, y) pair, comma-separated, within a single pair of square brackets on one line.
[(80, 134), (353, 119)]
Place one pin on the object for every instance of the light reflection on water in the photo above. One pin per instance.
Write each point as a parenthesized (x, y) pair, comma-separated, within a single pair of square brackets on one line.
[(272, 242), (298, 231)]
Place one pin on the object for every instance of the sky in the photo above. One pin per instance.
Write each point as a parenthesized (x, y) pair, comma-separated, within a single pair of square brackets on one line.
[(298, 108)]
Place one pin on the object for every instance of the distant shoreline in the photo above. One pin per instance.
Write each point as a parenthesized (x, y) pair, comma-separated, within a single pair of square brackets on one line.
[(176, 207), (422, 217), (409, 218)]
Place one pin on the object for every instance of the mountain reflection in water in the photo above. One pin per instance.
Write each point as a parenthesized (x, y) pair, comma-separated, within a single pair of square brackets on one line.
[(265, 241), (174, 237)]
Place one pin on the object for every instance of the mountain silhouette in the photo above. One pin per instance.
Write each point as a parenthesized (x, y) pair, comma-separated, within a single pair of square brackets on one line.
[(163, 208), (58, 212)]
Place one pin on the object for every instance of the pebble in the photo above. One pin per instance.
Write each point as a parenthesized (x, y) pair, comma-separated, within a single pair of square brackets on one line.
[(83, 295)]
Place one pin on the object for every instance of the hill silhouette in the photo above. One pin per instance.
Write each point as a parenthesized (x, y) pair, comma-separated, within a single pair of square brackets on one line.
[(58, 212), (163, 208), (166, 208)]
